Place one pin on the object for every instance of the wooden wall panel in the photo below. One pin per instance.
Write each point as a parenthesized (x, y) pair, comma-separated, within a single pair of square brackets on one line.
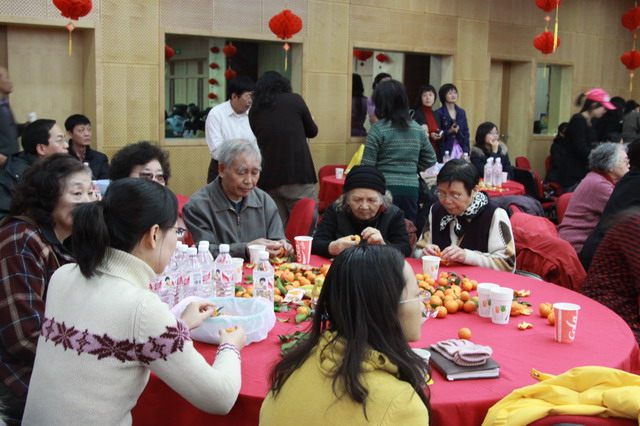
[(237, 18), (328, 99), (368, 25), (324, 154), (443, 7), (474, 9), (472, 59), (521, 13), (441, 34), (24, 8), (130, 31), (327, 30), (406, 28), (199, 14)]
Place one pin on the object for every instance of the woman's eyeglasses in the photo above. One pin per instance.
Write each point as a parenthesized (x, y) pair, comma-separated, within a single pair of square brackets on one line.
[(424, 298), (160, 178), (442, 196), (179, 231)]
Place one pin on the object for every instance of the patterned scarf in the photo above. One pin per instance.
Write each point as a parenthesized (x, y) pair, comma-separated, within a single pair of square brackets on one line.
[(478, 204)]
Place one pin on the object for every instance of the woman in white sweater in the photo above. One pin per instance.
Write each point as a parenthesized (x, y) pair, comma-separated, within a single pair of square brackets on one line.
[(103, 330)]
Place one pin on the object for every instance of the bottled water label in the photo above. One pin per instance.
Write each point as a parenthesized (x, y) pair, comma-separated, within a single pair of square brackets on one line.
[(224, 279), (263, 284)]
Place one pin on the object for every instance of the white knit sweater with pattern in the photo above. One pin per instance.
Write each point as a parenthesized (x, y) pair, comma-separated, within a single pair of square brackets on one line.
[(102, 336)]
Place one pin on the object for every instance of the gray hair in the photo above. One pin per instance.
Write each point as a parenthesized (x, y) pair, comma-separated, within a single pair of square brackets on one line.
[(604, 157), (232, 148), (343, 207)]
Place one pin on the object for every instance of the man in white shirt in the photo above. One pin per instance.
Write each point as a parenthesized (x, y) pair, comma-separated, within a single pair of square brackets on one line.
[(229, 120)]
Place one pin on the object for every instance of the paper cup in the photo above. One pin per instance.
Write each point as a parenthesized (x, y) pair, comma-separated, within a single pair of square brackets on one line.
[(238, 264), (484, 299), (339, 172), (430, 265), (303, 249), (566, 320), (31, 117), (254, 252), (505, 177), (501, 299)]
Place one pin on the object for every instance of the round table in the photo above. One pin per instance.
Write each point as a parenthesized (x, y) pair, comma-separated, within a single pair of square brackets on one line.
[(330, 190), (508, 188), (603, 338)]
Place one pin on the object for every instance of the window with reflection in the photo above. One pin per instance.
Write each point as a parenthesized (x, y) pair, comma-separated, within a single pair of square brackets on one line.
[(199, 68)]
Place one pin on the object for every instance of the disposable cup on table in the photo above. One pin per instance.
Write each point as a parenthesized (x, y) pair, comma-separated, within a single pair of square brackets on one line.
[(431, 265), (303, 249), (505, 177), (238, 264), (566, 316), (254, 252), (339, 172), (501, 299), (484, 299)]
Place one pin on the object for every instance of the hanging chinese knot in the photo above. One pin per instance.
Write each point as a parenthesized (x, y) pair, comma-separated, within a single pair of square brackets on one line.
[(73, 9), (285, 25), (548, 42), (362, 55), (631, 21)]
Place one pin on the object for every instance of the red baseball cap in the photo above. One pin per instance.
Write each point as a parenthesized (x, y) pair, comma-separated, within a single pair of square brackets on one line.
[(601, 96)]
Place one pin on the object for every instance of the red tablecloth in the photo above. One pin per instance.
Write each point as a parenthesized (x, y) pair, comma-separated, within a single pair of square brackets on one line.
[(508, 188), (330, 190), (603, 338)]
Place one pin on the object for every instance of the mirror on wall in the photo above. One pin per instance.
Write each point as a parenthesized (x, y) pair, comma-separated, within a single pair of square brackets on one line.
[(197, 72), (411, 68)]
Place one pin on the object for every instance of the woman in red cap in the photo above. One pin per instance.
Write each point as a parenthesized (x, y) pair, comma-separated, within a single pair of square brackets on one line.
[(581, 136)]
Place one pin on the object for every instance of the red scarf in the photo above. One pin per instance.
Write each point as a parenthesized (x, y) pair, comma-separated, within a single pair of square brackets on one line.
[(432, 124)]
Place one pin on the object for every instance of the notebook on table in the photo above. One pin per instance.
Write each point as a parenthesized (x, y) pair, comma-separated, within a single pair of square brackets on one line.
[(452, 371)]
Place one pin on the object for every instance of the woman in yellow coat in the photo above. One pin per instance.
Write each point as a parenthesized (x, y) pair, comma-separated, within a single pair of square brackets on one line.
[(356, 366)]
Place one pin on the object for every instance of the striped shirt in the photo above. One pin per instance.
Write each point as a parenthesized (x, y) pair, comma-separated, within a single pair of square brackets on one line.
[(28, 258)]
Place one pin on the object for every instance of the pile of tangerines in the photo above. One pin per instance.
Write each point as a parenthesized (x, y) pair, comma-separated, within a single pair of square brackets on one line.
[(449, 293)]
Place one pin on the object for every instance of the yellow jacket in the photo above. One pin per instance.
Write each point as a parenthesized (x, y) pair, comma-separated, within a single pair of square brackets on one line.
[(307, 397), (590, 391)]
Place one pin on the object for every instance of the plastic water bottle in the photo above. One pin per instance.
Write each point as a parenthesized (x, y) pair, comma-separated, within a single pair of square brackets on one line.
[(171, 288), (206, 263), (488, 172), (194, 270), (263, 277), (182, 282), (446, 157), (466, 158), (224, 272), (497, 172)]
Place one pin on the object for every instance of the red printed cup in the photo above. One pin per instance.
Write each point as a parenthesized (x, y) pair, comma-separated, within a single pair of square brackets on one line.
[(566, 315), (303, 249)]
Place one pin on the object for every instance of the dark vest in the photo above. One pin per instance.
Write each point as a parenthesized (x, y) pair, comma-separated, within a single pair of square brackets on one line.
[(476, 236)]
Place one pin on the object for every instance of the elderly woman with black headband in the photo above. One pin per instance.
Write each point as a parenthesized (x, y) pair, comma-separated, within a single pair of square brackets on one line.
[(364, 211), (464, 226)]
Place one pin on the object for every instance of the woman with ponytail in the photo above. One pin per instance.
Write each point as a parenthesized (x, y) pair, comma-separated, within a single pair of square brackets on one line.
[(356, 360), (104, 331), (581, 137)]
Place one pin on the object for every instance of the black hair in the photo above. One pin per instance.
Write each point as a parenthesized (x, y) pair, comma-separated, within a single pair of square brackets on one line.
[(589, 105), (357, 87), (459, 170), (562, 127), (481, 134), (378, 78), (38, 192), (634, 153), (137, 154), (36, 133), (444, 89), (425, 88), (390, 99), (240, 85), (270, 84), (128, 210), (75, 120), (364, 317), (630, 105)]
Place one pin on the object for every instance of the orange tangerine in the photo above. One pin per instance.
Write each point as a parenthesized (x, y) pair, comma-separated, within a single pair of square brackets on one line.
[(551, 318), (444, 274), (464, 333), (247, 296), (469, 306), (435, 300), (460, 303), (419, 277), (423, 284), (249, 289), (295, 284), (451, 306), (439, 293), (287, 276), (465, 296), (277, 291), (545, 309), (475, 284), (448, 298), (307, 302), (467, 285), (302, 310), (297, 274), (277, 298), (442, 312), (288, 287), (240, 293), (448, 291), (442, 281)]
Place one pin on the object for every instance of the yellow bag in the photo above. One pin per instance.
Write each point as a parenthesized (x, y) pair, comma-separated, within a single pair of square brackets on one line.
[(357, 158)]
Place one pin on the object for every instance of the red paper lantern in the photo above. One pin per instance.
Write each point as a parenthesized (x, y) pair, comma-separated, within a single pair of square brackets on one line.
[(631, 19), (168, 52), (215, 49), (381, 57), (631, 59), (73, 9), (285, 24), (230, 74), (362, 55), (212, 96), (214, 66), (544, 42), (229, 50), (213, 81), (548, 5)]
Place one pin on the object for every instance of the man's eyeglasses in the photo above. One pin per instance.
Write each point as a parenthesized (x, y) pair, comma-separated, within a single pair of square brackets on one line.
[(160, 178), (442, 196), (179, 231)]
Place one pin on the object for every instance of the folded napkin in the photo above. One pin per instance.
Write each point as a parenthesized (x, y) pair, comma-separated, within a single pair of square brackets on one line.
[(463, 352)]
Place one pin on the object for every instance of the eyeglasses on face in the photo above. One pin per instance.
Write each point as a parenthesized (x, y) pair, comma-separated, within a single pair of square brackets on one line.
[(424, 298), (160, 178), (441, 195), (179, 231)]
